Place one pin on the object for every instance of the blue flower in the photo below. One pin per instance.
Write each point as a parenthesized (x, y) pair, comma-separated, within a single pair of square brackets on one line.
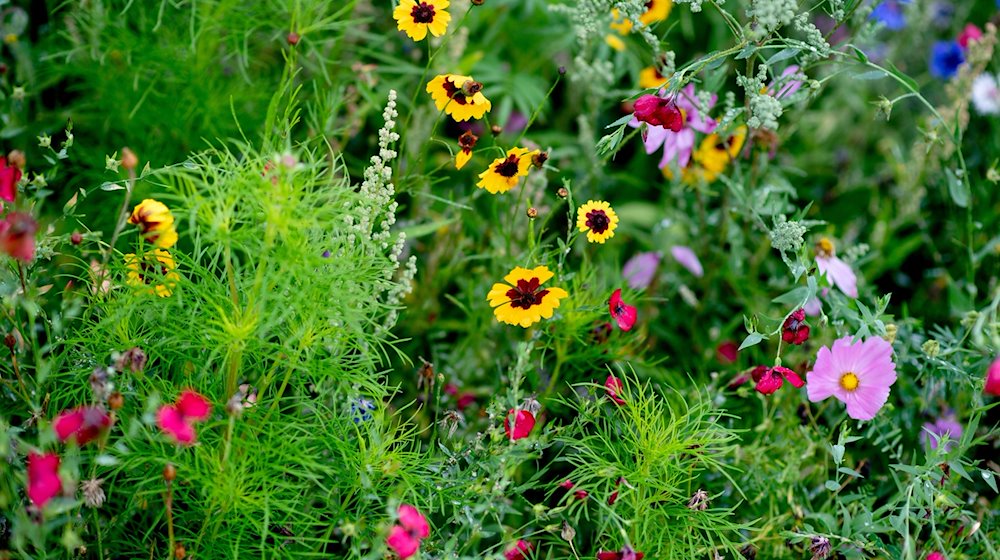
[(890, 14), (946, 57), (361, 410)]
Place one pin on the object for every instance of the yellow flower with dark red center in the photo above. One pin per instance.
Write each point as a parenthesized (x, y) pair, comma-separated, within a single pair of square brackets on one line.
[(504, 173), (597, 219), (459, 96), (155, 268), (156, 223), (650, 77), (522, 300), (712, 157), (466, 142), (417, 17), (656, 10)]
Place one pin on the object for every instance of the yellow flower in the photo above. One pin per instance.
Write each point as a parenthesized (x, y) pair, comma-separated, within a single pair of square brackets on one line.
[(156, 223), (459, 96), (522, 301), (466, 142), (155, 266), (503, 174), (615, 42), (417, 17), (650, 77), (597, 219), (711, 157), (656, 10)]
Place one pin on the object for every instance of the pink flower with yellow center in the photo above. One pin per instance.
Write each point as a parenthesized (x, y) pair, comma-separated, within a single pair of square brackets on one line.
[(858, 374)]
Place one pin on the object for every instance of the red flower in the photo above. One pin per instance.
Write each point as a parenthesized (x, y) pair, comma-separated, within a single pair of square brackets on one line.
[(177, 420), (623, 313), (935, 556), (404, 539), (770, 380), (613, 498), (17, 236), (727, 351), (969, 33), (465, 400), (613, 386), (626, 553), (83, 424), (43, 478), (524, 422), (795, 330), (519, 551), (9, 176), (566, 484), (992, 386), (657, 111), (581, 494)]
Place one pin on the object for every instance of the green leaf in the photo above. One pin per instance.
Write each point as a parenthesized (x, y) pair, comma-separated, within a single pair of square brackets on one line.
[(832, 485), (958, 188), (990, 479), (752, 339), (747, 52), (838, 453), (783, 54), (871, 75)]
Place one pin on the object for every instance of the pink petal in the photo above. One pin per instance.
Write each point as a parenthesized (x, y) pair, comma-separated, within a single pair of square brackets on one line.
[(174, 424), (193, 406), (67, 424), (43, 478), (613, 386), (402, 543), (623, 313), (992, 386), (412, 521), (822, 382), (686, 257), (841, 275), (864, 403), (523, 423)]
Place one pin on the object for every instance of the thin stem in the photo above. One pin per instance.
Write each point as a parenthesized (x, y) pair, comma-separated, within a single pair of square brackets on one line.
[(170, 519), (24, 284), (17, 372), (122, 215)]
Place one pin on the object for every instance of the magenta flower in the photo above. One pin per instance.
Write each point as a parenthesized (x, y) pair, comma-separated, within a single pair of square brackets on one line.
[(519, 550), (613, 386), (521, 426), (177, 420), (795, 330), (623, 313), (992, 386), (404, 539), (9, 177), (770, 380), (640, 270), (859, 374), (945, 426), (657, 111), (686, 257), (678, 145), (969, 34), (84, 424), (838, 272), (789, 86)]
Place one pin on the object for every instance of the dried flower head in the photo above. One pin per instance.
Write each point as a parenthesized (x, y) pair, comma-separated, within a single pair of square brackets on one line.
[(93, 494)]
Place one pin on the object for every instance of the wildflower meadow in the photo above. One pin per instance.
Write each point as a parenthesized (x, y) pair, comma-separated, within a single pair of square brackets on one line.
[(500, 279)]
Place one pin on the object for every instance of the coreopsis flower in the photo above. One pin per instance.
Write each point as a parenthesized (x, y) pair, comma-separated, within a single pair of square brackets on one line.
[(771, 379), (656, 10), (657, 111), (650, 77), (613, 386), (83, 424), (43, 478), (522, 300), (598, 219), (640, 270), (946, 57), (626, 553), (986, 94), (970, 33), (156, 268), (623, 313), (458, 96), (858, 374), (504, 173), (678, 145), (518, 424), (10, 175), (838, 272), (177, 420), (992, 386), (687, 258), (795, 330), (466, 142), (404, 538), (156, 223), (417, 17), (946, 426), (519, 550), (17, 236)]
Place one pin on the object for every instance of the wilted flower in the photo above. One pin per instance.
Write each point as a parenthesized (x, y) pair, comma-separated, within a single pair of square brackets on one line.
[(17, 236), (598, 219), (820, 548), (657, 111), (859, 374), (417, 17), (522, 301), (518, 424), (505, 172), (519, 550), (946, 426), (134, 359), (156, 223), (83, 424), (93, 494), (795, 330), (10, 175), (466, 142), (946, 57), (43, 478), (404, 538), (623, 313), (177, 420), (458, 96), (640, 270), (838, 272), (699, 500), (771, 379)]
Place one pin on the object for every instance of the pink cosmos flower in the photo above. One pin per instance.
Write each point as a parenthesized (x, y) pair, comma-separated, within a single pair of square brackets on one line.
[(623, 313), (613, 386), (657, 111), (640, 270), (945, 426), (519, 550), (836, 271), (678, 145), (969, 33), (523, 423), (686, 257), (404, 538), (17, 236), (770, 380), (859, 374), (83, 424), (789, 87), (43, 478), (992, 386), (9, 177), (177, 420)]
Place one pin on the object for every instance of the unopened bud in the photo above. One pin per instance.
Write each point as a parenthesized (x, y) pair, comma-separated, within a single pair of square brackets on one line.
[(169, 472), (9, 341), (890, 333), (478, 2), (563, 192), (539, 159), (931, 348), (116, 401), (17, 159), (129, 160), (471, 87), (532, 212), (293, 38), (562, 70), (179, 552), (496, 130), (76, 238)]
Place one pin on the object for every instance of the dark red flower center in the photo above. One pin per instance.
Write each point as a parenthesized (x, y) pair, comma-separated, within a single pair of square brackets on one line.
[(598, 221), (147, 269), (649, 5), (454, 92), (422, 13), (526, 294), (508, 167)]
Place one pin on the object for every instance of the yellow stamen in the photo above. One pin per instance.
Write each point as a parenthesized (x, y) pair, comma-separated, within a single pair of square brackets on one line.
[(849, 381), (824, 247)]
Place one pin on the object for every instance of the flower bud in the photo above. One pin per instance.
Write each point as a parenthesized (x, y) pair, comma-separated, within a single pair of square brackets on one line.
[(116, 401), (17, 159), (169, 472), (76, 238), (293, 38), (471, 87), (129, 160), (563, 192), (539, 159), (496, 130), (532, 212)]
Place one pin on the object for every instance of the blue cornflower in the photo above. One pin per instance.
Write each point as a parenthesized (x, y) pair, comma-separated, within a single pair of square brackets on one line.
[(890, 14), (946, 57), (361, 410)]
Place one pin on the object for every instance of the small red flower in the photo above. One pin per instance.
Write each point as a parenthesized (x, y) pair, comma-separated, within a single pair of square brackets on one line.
[(613, 386), (770, 380), (992, 386), (9, 177), (613, 498), (83, 424), (623, 313), (17, 236), (581, 494), (935, 556), (795, 330), (727, 351), (404, 539), (657, 111), (465, 400), (519, 551), (523, 421), (626, 553), (566, 484), (43, 478), (178, 419)]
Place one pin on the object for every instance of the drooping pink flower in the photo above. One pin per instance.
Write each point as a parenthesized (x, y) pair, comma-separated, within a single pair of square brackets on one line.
[(9, 177), (613, 386), (519, 550), (858, 374), (566, 484), (17, 236), (43, 478), (84, 424), (795, 330), (727, 351), (581, 494), (838, 272), (945, 426), (404, 538), (686, 257), (992, 386), (623, 313), (969, 33), (789, 87), (771, 379), (657, 111), (518, 424), (678, 145), (640, 270), (177, 420)]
